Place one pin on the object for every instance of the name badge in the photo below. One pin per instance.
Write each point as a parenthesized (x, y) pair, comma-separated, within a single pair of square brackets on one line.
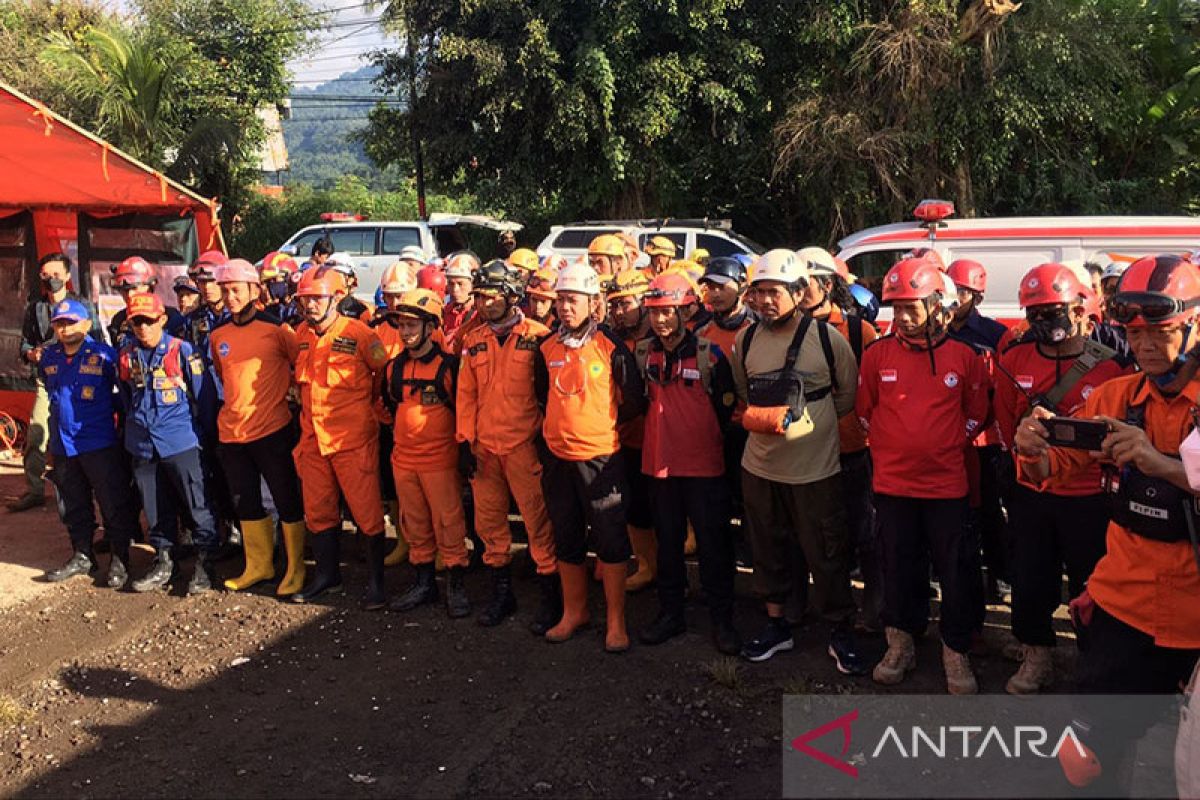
[(162, 384), (691, 374), (557, 364), (170, 396), (344, 344), (88, 370)]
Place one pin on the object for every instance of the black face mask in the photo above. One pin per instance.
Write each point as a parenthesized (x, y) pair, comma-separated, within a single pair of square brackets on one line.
[(53, 285), (1052, 329), (278, 291)]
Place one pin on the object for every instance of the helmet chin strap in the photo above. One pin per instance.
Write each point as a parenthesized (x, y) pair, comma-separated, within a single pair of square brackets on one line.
[(329, 304)]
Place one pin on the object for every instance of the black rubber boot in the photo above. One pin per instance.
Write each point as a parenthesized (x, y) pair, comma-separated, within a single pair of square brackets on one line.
[(118, 568), (551, 609), (457, 603), (159, 575), (201, 581), (422, 592), (725, 637), (80, 563), (328, 578), (503, 602), (376, 597), (667, 625)]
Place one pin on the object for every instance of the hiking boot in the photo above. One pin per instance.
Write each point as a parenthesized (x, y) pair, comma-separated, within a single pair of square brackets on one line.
[(1036, 671), (79, 564), (900, 658), (159, 575), (844, 652), (725, 637), (457, 603), (422, 592), (666, 626), (775, 638), (550, 610), (959, 677), (118, 572), (27, 501), (503, 602), (201, 580)]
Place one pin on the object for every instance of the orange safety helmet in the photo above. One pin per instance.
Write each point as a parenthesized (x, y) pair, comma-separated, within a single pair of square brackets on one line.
[(541, 284), (422, 304), (1049, 284), (321, 282), (968, 274), (671, 290), (1157, 290), (432, 278), (397, 278), (913, 278), (134, 271)]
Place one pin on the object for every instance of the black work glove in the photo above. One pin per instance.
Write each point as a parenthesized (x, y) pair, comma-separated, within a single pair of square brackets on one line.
[(467, 463)]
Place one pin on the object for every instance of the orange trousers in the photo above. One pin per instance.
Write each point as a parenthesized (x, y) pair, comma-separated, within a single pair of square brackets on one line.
[(353, 474), (431, 515), (521, 473)]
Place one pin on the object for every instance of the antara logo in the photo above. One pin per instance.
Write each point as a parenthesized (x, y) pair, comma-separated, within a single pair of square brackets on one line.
[(945, 741)]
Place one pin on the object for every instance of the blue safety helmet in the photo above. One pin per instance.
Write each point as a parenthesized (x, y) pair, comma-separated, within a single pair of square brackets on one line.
[(867, 302)]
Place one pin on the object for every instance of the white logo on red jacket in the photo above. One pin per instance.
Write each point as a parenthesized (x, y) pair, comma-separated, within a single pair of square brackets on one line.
[(951, 379), (888, 375), (1086, 392)]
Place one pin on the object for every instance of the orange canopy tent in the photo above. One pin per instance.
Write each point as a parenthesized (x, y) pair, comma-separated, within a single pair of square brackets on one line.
[(69, 191)]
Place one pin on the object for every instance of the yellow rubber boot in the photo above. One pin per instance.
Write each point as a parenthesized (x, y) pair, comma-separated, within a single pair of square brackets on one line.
[(399, 553), (293, 543), (438, 564), (258, 544), (645, 549), (689, 544)]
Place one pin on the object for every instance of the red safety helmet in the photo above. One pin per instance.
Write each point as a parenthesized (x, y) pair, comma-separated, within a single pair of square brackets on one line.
[(432, 278), (671, 290), (968, 274), (1048, 284), (1092, 305), (914, 278), (277, 265), (134, 271), (321, 282), (928, 254), (1157, 290), (205, 267)]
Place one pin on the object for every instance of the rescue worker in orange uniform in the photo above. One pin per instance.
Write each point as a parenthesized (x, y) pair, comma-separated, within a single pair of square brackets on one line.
[(606, 255), (419, 386), (459, 316), (628, 319), (1061, 523), (692, 396), (591, 385), (338, 365), (923, 396), (397, 279), (661, 251), (1138, 621), (539, 298), (827, 298), (252, 356), (499, 420)]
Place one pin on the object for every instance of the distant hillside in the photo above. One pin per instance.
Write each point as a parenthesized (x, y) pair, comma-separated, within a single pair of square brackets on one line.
[(320, 134)]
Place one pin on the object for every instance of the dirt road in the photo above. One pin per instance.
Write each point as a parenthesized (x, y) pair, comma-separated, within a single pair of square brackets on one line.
[(238, 695)]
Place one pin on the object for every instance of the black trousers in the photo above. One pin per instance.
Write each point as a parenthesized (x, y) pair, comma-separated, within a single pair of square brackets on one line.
[(216, 482), (912, 532), (101, 475), (1051, 532), (705, 503), (995, 467), (248, 464), (587, 495), (170, 487), (780, 516), (637, 511)]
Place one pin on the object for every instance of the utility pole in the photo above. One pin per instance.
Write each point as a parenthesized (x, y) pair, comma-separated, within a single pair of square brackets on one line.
[(418, 161)]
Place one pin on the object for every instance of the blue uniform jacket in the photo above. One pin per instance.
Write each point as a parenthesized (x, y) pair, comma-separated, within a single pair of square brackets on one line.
[(120, 335), (83, 397), (211, 396), (158, 388), (980, 331)]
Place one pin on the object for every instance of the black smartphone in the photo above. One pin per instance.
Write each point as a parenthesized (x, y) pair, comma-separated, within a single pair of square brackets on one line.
[(1077, 434)]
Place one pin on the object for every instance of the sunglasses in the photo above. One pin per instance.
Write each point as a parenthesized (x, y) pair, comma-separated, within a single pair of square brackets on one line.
[(142, 322), (1152, 307), (1046, 314)]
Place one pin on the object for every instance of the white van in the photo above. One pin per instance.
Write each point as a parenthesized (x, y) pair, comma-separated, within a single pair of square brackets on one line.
[(375, 244), (715, 236), (1008, 247)]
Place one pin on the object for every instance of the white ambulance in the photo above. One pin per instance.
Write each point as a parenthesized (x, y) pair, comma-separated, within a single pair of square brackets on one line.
[(1008, 247)]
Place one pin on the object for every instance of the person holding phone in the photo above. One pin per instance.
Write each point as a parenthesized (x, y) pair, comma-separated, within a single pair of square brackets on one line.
[(1060, 524), (1138, 621)]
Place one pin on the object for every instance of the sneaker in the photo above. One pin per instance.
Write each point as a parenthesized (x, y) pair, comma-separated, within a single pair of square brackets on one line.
[(844, 652), (775, 638)]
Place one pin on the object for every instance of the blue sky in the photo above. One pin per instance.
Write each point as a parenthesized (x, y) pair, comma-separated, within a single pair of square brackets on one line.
[(354, 32)]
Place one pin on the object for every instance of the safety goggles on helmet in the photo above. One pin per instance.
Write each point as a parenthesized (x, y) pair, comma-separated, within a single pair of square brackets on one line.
[(1153, 308)]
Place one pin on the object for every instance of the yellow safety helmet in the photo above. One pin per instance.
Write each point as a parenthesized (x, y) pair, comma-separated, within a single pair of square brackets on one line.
[(523, 258), (630, 283), (607, 244), (660, 246)]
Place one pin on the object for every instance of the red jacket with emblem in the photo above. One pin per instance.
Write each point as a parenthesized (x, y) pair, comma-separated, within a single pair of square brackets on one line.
[(921, 409)]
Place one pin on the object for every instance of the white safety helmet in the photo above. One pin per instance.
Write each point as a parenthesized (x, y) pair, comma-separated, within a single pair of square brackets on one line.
[(949, 292), (461, 265), (413, 253), (340, 262), (779, 265), (1114, 269), (818, 261), (579, 278)]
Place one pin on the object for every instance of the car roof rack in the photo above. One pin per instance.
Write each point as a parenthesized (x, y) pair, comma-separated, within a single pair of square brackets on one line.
[(656, 222)]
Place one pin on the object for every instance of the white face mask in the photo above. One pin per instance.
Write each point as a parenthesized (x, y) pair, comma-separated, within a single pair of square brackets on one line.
[(1189, 451)]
